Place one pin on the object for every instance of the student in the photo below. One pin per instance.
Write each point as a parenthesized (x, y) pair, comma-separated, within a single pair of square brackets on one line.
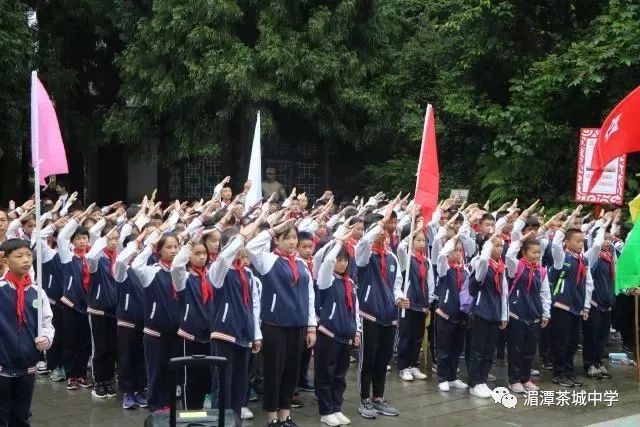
[(132, 373), (101, 307), (161, 312), (189, 274), (339, 328), (450, 327), (595, 330), (306, 248), (20, 345), (489, 313), (572, 286), (379, 292), (76, 280), (287, 314), (529, 309), (420, 295), (235, 328)]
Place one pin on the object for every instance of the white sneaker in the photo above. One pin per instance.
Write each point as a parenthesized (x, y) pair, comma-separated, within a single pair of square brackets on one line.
[(535, 373), (405, 375), (388, 368), (517, 388), (344, 421), (479, 390), (444, 386), (246, 414), (417, 375), (458, 384), (487, 389), (434, 368), (330, 420)]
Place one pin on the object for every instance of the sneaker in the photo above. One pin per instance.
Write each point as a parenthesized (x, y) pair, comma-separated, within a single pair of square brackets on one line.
[(487, 388), (246, 414), (344, 421), (128, 401), (417, 375), (288, 423), (41, 368), (383, 407), (273, 423), (405, 375), (253, 396), (57, 375), (490, 377), (388, 368), (111, 392), (434, 368), (330, 420), (516, 388), (84, 383), (594, 373), (308, 387), (604, 373), (479, 390), (141, 399), (575, 382), (535, 373), (99, 391), (566, 382), (72, 384), (366, 409), (458, 384), (162, 410), (547, 366), (295, 401), (352, 359), (556, 380), (529, 386), (444, 386)]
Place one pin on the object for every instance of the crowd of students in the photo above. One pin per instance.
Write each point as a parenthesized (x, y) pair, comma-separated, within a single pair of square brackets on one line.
[(275, 284)]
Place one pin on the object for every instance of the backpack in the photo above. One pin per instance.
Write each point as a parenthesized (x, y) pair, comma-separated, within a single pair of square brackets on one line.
[(521, 267), (469, 292)]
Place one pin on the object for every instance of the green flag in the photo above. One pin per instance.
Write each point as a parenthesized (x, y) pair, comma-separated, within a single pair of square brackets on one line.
[(628, 266)]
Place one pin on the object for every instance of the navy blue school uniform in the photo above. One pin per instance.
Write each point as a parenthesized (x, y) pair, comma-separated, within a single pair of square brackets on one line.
[(18, 353), (235, 323), (161, 313), (287, 312), (572, 285), (52, 284), (379, 287), (337, 328), (132, 375)]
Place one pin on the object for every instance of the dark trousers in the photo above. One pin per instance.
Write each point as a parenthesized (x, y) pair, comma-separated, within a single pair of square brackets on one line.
[(305, 360), (331, 362), (376, 350), (157, 353), (431, 331), (55, 354), (410, 335), (501, 344), (105, 347), (484, 335), (450, 342), (15, 400), (564, 341), (595, 333), (236, 373), (197, 379), (132, 373), (522, 340), (76, 342), (545, 344), (281, 348)]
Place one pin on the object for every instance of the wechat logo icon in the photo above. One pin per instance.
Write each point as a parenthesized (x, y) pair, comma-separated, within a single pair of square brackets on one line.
[(504, 397)]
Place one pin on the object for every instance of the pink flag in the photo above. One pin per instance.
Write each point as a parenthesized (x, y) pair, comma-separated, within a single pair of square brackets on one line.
[(47, 149)]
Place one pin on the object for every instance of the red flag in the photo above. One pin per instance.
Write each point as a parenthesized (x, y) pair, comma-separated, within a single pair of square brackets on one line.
[(619, 135), (47, 149), (428, 181)]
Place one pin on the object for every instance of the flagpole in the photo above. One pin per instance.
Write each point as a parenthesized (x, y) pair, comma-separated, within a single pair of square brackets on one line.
[(35, 146), (407, 270), (637, 337)]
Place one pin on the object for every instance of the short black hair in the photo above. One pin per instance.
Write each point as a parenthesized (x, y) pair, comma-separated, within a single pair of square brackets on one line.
[(371, 219), (502, 214), (132, 211), (80, 231), (12, 245), (304, 235), (532, 222), (487, 217), (571, 232)]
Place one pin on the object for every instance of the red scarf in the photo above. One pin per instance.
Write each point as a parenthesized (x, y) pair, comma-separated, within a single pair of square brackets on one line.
[(213, 256), (608, 258), (506, 238), (21, 286), (533, 267), (457, 269), (498, 270), (393, 238), (111, 254), (381, 251), (422, 268), (309, 263), (351, 247), (86, 276), (238, 265), (205, 287), (167, 266), (348, 290), (291, 260), (582, 268)]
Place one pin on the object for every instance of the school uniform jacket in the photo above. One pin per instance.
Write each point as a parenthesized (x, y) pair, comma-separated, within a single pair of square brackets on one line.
[(284, 303), (419, 293), (234, 320), (51, 274), (18, 353), (377, 296), (602, 273), (130, 306), (449, 287), (336, 320), (102, 298), (490, 303), (74, 295)]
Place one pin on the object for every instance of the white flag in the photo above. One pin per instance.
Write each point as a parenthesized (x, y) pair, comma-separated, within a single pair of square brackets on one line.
[(255, 169)]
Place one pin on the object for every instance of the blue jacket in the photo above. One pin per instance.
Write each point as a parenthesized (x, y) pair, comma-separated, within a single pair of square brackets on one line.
[(603, 295), (103, 298)]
